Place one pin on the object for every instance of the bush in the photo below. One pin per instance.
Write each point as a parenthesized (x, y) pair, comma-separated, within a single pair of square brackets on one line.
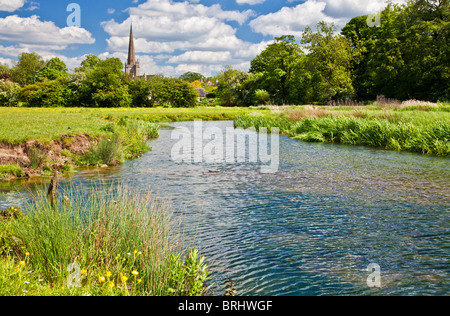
[(52, 93), (174, 92), (9, 93), (262, 96)]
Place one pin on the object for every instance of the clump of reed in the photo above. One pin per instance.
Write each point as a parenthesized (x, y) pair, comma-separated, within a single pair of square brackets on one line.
[(127, 140), (432, 138), (109, 241)]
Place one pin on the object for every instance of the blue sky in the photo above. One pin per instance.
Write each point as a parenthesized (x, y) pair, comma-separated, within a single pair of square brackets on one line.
[(171, 36)]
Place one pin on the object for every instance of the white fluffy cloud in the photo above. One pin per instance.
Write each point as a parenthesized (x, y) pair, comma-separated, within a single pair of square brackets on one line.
[(197, 36), (293, 20), (11, 5), (32, 31)]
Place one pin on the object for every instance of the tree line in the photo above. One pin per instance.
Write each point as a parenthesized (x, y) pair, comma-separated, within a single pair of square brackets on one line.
[(406, 57), (96, 83)]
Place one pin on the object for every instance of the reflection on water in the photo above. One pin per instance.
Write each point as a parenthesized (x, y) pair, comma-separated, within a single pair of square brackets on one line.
[(313, 227)]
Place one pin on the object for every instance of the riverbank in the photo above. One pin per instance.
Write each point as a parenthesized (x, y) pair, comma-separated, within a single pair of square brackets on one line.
[(421, 129), (35, 141)]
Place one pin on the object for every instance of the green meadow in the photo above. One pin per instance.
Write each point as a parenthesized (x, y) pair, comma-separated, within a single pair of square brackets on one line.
[(18, 124)]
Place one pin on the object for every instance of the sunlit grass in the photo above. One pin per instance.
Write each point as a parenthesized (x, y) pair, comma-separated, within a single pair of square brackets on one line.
[(422, 129), (18, 125)]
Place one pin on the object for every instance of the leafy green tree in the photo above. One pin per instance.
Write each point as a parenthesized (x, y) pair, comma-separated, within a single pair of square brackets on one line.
[(54, 68), (192, 76), (89, 63), (104, 85), (26, 68), (277, 64), (328, 63), (262, 96), (231, 89), (4, 68), (424, 36), (407, 57), (141, 92)]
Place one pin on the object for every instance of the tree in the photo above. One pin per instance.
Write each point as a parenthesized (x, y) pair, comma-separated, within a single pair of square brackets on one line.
[(54, 68), (231, 89), (262, 96), (26, 68), (277, 64), (104, 85), (6, 76), (407, 57), (192, 76), (141, 92), (328, 63)]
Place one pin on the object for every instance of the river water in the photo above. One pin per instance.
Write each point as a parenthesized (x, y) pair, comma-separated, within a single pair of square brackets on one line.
[(313, 227)]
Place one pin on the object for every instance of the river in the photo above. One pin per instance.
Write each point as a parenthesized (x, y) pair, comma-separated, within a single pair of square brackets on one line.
[(313, 227)]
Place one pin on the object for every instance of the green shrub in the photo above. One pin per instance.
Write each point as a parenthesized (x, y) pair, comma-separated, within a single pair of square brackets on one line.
[(47, 93), (9, 93)]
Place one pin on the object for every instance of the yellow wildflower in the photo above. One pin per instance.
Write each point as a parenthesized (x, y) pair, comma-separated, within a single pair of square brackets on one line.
[(108, 274), (27, 254), (101, 279), (139, 281), (124, 278), (135, 273), (135, 252), (22, 263), (111, 284), (83, 272)]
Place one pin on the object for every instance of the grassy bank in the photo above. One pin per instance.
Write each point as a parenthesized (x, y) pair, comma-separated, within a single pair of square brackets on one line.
[(421, 129), (105, 242)]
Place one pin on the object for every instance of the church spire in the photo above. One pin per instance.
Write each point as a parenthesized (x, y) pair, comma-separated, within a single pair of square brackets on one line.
[(132, 65), (131, 54)]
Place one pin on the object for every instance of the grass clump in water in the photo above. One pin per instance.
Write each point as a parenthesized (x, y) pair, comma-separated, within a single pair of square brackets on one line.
[(127, 140), (103, 242)]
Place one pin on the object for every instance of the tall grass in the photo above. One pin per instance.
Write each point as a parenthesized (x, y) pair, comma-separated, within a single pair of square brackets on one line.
[(416, 130), (432, 138), (110, 230), (127, 139)]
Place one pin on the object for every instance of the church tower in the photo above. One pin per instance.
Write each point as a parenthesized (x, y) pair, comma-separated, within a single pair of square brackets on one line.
[(132, 65)]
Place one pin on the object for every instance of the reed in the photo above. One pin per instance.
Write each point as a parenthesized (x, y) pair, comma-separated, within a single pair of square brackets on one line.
[(124, 243), (400, 129)]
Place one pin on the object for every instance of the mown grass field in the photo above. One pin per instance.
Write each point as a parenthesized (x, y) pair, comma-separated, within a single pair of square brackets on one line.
[(18, 125)]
